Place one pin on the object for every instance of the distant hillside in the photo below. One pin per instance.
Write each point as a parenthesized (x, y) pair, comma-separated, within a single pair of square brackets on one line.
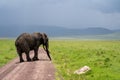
[(91, 31), (54, 31), (14, 31)]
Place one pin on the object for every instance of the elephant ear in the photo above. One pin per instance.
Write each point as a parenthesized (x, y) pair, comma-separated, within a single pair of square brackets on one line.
[(45, 38)]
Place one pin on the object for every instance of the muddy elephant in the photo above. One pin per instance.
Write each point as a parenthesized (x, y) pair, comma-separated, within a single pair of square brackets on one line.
[(26, 42)]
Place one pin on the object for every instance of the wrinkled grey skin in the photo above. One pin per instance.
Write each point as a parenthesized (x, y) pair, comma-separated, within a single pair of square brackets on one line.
[(26, 42)]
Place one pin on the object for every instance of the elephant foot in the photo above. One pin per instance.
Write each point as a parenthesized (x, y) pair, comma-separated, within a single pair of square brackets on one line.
[(29, 60), (21, 60), (35, 59)]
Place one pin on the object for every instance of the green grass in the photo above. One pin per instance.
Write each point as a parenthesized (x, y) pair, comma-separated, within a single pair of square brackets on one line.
[(7, 51), (103, 57)]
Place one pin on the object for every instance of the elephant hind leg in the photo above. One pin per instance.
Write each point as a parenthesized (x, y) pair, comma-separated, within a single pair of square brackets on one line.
[(20, 55), (27, 54), (21, 59), (28, 57)]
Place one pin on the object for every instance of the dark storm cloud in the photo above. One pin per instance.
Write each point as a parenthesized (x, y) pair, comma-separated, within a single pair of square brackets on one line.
[(66, 13), (107, 6)]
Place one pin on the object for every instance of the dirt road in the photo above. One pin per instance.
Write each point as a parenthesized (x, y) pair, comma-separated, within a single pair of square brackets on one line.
[(42, 69)]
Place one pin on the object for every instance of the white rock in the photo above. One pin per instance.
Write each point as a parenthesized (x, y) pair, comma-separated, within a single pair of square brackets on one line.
[(82, 70)]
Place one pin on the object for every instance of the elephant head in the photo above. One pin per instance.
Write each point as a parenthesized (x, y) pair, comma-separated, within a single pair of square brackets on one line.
[(46, 44), (45, 41)]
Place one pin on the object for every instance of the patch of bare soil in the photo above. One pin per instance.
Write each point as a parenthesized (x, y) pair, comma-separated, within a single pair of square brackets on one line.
[(42, 69)]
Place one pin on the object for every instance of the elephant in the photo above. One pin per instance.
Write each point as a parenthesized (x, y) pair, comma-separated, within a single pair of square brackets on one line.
[(26, 42)]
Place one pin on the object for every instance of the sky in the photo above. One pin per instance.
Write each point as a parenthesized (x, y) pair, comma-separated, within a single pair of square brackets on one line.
[(62, 13)]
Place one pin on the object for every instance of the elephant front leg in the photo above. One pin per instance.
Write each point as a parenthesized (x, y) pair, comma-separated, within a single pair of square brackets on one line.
[(36, 55)]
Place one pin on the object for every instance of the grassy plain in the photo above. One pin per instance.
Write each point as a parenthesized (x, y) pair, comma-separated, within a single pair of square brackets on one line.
[(103, 57), (7, 51)]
